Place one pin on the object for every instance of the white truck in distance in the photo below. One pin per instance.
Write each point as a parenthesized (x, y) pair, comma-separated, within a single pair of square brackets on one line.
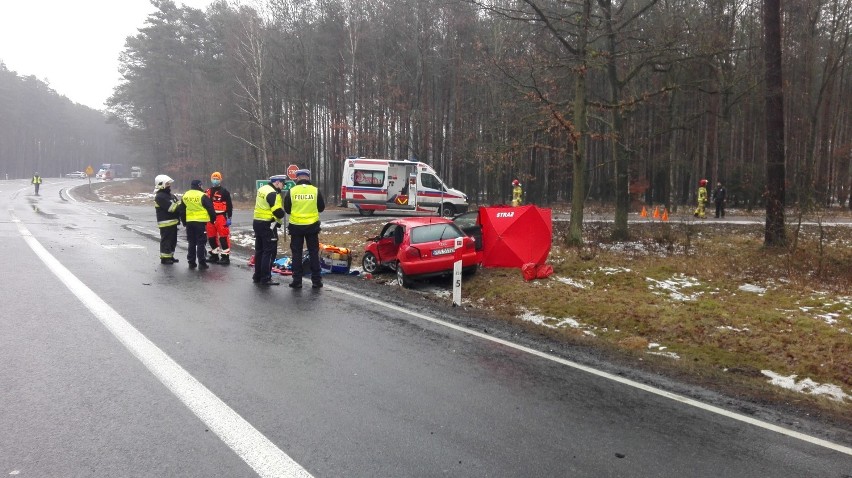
[(371, 185)]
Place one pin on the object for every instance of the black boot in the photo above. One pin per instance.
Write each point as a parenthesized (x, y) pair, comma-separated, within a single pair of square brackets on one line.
[(213, 257), (225, 259)]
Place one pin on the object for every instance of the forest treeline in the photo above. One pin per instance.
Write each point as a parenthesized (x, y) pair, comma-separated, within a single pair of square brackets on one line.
[(45, 132), (605, 100)]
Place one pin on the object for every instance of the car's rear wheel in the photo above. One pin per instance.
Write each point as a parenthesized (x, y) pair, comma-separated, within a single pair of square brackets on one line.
[(369, 263), (402, 278), (366, 212)]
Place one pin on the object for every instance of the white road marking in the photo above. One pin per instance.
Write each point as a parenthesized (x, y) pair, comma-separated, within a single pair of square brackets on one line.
[(609, 376), (122, 246), (246, 441)]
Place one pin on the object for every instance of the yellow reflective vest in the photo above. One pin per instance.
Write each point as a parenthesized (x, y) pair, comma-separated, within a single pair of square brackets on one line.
[(303, 209), (702, 195), (517, 194), (195, 211), (262, 210)]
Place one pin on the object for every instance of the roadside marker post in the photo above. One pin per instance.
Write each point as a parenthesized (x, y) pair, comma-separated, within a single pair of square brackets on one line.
[(457, 272)]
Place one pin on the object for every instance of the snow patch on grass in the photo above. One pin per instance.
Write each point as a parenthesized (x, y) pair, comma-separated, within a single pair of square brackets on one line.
[(657, 349), (753, 288), (613, 270), (733, 329), (578, 283), (674, 286), (556, 323), (807, 386)]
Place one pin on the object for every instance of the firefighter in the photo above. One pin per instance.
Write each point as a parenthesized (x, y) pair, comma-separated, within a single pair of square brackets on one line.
[(268, 217), (219, 231), (702, 198), (517, 193), (304, 203), (36, 182), (168, 208), (198, 212)]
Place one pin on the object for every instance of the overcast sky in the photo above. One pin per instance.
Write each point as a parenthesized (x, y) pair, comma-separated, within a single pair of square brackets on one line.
[(72, 44)]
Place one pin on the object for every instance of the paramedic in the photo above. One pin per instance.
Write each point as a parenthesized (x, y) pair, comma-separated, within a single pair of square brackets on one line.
[(219, 231)]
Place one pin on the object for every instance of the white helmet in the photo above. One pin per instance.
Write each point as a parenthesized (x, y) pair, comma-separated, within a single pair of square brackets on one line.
[(162, 181)]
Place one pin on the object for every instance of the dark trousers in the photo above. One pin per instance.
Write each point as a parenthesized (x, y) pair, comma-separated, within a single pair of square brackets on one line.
[(297, 241), (168, 241), (720, 208), (196, 236), (265, 250), (36, 188)]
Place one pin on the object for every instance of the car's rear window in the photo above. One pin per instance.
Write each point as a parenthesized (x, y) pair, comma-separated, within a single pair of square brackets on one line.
[(434, 232)]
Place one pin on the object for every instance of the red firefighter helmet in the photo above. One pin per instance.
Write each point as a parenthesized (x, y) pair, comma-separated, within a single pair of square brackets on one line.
[(703, 182), (516, 183)]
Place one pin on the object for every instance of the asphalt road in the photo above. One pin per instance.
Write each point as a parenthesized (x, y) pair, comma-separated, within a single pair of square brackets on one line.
[(112, 364)]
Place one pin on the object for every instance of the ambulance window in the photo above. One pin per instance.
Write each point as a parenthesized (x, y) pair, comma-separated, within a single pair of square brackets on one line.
[(363, 177), (430, 181)]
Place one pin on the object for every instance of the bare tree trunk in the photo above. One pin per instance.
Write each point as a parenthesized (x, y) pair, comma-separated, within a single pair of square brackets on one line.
[(250, 55), (774, 233), (579, 134), (622, 162)]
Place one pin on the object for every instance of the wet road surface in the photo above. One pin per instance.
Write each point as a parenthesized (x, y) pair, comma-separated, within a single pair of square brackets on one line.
[(334, 380)]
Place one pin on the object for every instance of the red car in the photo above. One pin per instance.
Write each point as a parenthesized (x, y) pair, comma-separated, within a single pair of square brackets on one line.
[(419, 247)]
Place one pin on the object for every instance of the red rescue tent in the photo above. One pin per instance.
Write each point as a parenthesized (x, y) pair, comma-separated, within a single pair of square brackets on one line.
[(514, 236)]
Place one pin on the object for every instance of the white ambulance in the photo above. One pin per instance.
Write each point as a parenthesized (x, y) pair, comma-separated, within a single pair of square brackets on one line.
[(371, 185)]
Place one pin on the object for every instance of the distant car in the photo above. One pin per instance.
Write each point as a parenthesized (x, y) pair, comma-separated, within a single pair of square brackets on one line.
[(419, 247), (76, 174), (135, 172)]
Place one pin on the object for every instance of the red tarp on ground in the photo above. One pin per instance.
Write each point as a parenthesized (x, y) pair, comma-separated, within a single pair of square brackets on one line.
[(514, 236)]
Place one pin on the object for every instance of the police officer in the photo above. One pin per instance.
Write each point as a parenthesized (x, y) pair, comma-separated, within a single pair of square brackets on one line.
[(198, 211), (36, 182), (304, 203), (268, 216), (168, 208), (720, 195)]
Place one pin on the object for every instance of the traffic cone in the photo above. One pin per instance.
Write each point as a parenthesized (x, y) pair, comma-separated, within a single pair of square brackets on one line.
[(644, 213), (665, 214), (656, 212)]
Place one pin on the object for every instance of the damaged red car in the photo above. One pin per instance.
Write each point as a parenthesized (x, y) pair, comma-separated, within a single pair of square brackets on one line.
[(419, 247)]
